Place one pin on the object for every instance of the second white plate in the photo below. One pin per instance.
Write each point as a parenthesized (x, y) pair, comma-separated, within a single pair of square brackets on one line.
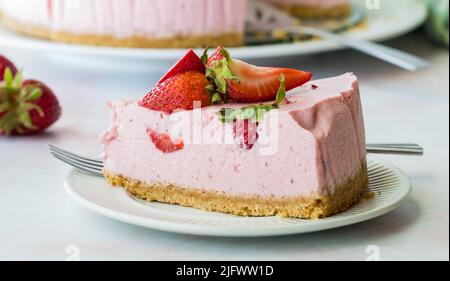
[(390, 186)]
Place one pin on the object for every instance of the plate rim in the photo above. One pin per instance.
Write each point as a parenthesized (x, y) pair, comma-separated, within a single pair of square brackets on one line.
[(12, 39), (256, 230)]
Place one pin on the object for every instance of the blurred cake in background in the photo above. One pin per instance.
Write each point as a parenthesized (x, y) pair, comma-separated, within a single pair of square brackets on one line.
[(312, 9), (130, 23)]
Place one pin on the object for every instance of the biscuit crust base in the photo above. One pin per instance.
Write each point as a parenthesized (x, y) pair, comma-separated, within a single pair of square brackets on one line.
[(312, 207), (230, 39), (310, 12)]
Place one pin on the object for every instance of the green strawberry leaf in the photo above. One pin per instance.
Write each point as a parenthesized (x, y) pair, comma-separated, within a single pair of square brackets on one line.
[(17, 80), (25, 120), (227, 55), (281, 95), (8, 77), (216, 98), (226, 115), (35, 94), (219, 74), (205, 57), (31, 106), (9, 122)]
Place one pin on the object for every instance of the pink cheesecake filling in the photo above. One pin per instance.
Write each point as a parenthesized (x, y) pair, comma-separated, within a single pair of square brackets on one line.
[(125, 18), (311, 3), (316, 142)]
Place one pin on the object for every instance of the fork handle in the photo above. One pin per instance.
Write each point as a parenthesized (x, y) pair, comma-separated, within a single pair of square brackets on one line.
[(388, 54), (396, 149)]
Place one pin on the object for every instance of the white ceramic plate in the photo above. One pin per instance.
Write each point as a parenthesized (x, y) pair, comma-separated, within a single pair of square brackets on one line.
[(394, 18), (390, 186)]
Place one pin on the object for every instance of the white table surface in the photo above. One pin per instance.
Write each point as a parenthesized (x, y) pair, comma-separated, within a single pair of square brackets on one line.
[(39, 221)]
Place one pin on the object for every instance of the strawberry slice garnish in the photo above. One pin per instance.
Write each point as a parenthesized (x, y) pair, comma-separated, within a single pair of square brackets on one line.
[(164, 143), (190, 62), (249, 83), (259, 84), (218, 79), (178, 92)]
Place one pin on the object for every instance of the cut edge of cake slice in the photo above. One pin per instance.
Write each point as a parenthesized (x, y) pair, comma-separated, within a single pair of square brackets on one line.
[(341, 180), (318, 168)]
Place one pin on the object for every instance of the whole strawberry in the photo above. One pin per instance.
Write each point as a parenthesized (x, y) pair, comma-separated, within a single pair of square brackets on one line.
[(5, 64), (26, 107)]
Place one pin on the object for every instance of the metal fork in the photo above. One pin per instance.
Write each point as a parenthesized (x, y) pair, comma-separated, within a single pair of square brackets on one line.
[(95, 166), (85, 164), (411, 149)]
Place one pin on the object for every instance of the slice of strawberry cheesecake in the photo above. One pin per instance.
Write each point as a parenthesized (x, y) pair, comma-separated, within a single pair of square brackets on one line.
[(221, 135)]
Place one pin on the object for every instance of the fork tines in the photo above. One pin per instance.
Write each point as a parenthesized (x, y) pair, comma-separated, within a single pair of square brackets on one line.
[(90, 165)]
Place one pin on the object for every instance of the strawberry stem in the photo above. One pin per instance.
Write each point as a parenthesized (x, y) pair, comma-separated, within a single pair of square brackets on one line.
[(205, 57), (219, 74), (281, 95)]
